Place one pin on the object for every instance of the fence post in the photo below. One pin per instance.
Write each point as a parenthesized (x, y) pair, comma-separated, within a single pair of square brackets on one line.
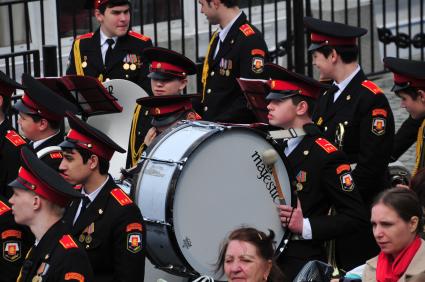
[(299, 36), (50, 64)]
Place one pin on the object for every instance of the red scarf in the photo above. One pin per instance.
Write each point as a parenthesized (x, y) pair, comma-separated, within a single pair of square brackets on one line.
[(389, 270)]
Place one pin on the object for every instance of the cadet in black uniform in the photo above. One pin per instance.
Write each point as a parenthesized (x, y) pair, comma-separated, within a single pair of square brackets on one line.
[(39, 197), (355, 115), (15, 241), (41, 113), (107, 222), (409, 85), (168, 72), (113, 51), (237, 50), (405, 136), (10, 140), (323, 174)]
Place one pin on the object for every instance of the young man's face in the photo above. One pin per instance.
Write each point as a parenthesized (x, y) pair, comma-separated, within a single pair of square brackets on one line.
[(167, 87), (115, 21), (415, 107), (29, 128), (22, 202), (73, 169), (282, 113), (209, 10), (324, 65)]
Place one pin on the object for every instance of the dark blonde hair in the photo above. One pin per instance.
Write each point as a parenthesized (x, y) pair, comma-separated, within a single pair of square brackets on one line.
[(262, 242)]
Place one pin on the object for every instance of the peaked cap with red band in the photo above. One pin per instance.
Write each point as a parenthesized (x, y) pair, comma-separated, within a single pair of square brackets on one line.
[(167, 64), (85, 136), (407, 73), (40, 100), (8, 85), (284, 84), (168, 109), (96, 4), (330, 33), (36, 176)]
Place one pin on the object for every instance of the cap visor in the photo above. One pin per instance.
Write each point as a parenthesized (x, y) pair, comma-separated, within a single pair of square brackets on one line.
[(67, 144), (397, 87), (315, 46), (162, 76), (20, 107), (279, 96), (15, 183), (168, 120)]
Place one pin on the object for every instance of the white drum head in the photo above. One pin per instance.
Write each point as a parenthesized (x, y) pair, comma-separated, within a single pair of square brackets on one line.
[(225, 185), (117, 126)]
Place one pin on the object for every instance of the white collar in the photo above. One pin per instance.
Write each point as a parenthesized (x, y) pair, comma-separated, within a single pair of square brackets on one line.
[(96, 192), (223, 33), (37, 143), (103, 38), (343, 84), (292, 144)]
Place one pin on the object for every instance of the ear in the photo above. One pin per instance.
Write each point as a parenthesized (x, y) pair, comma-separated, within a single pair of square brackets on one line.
[(93, 162), (413, 224), (334, 56), (269, 265), (302, 108), (183, 83), (98, 15), (36, 203), (216, 3), (43, 124), (421, 95)]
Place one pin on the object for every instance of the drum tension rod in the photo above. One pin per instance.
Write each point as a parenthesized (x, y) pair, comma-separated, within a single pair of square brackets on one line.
[(181, 162)]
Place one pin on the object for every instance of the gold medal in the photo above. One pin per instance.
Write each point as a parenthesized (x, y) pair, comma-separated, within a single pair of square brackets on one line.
[(227, 72), (299, 186), (81, 238), (37, 278), (89, 239), (126, 66), (133, 67), (84, 64)]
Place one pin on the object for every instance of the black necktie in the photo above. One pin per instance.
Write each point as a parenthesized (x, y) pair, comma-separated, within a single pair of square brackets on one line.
[(108, 54), (86, 202), (331, 91)]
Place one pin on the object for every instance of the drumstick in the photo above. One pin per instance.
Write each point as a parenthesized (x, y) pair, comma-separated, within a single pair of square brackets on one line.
[(270, 158)]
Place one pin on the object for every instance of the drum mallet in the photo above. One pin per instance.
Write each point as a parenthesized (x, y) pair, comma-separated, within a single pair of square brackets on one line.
[(270, 158)]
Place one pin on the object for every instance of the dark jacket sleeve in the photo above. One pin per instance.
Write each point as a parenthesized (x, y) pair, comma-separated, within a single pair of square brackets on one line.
[(70, 69), (405, 137)]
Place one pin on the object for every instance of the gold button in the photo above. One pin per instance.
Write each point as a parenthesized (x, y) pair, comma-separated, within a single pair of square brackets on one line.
[(212, 73), (345, 122), (205, 108), (326, 128), (209, 91), (306, 152)]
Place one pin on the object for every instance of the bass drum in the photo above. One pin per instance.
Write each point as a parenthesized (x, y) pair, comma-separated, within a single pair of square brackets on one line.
[(117, 126), (199, 181)]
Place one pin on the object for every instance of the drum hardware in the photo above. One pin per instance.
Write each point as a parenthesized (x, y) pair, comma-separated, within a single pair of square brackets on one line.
[(170, 162), (159, 222), (206, 124), (172, 268), (287, 133)]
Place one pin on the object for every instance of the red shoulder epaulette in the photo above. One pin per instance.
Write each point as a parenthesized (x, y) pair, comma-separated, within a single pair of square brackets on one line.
[(247, 30), (121, 197), (4, 208), (15, 138), (372, 87), (84, 36), (56, 155), (343, 167), (139, 36), (74, 276), (326, 145), (67, 242)]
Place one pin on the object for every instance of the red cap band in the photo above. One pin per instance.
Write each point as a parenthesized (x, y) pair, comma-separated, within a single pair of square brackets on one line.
[(334, 41), (166, 67), (280, 85), (414, 82), (163, 110), (34, 184), (91, 145)]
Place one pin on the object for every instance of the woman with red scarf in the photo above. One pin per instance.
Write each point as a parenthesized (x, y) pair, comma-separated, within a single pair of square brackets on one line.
[(396, 218)]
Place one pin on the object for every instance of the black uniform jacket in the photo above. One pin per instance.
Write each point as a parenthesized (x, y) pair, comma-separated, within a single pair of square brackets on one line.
[(15, 241), (140, 125), (52, 141), (323, 178), (10, 145), (242, 54), (57, 257), (127, 52), (369, 131), (406, 135), (111, 230)]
